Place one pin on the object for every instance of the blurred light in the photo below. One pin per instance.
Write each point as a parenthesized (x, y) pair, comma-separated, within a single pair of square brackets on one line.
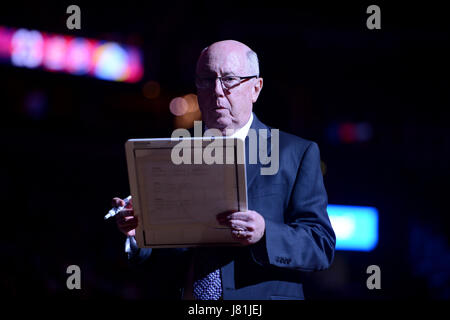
[(27, 48), (364, 131), (151, 89), (348, 132), (192, 102), (178, 106), (55, 53), (135, 70), (104, 60), (356, 227), (187, 120), (110, 61), (186, 111), (5, 43), (79, 56)]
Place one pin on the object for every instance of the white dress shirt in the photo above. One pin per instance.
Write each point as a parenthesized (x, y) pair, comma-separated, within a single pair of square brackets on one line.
[(242, 132)]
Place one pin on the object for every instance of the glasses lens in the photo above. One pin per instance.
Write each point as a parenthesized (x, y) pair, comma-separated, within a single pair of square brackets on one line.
[(229, 82)]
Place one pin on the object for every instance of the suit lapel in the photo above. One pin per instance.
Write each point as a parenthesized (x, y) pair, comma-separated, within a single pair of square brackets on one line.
[(252, 170)]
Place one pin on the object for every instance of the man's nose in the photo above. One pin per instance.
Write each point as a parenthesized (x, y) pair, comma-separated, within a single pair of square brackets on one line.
[(218, 89)]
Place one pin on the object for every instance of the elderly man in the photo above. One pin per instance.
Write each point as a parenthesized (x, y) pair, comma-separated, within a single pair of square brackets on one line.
[(286, 231)]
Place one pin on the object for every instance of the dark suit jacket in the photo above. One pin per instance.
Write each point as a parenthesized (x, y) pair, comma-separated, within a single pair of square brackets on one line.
[(298, 235)]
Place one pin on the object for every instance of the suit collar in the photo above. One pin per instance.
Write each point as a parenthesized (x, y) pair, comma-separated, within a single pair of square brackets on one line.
[(258, 125), (252, 170)]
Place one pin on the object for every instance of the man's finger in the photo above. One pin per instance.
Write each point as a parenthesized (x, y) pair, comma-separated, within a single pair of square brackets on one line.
[(126, 213), (117, 202), (241, 235), (126, 219), (240, 225), (124, 224), (229, 223), (224, 215), (129, 224), (243, 215), (130, 203), (240, 215)]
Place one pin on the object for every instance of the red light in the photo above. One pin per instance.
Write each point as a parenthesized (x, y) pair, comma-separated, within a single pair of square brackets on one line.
[(347, 133)]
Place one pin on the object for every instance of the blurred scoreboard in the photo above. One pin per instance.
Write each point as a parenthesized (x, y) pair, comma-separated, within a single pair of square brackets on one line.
[(74, 55), (356, 227)]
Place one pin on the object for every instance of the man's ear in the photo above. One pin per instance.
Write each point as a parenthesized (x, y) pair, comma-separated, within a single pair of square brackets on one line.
[(257, 89)]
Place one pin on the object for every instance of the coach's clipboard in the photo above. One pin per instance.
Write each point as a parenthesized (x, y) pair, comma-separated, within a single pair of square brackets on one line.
[(177, 200)]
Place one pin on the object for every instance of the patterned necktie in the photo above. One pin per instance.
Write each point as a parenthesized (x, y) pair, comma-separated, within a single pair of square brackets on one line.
[(208, 287), (207, 279)]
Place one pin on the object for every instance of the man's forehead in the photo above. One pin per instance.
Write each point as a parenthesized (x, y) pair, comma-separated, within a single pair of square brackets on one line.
[(222, 61)]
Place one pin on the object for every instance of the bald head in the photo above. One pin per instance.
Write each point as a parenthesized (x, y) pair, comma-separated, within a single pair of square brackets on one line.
[(227, 106), (244, 57)]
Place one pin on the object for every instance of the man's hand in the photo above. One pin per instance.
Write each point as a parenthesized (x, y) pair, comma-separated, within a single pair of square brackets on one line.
[(247, 226), (125, 219)]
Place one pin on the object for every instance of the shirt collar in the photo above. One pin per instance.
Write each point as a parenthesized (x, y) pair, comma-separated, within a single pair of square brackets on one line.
[(242, 132)]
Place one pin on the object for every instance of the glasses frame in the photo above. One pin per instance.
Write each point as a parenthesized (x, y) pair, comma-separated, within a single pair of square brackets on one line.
[(241, 79)]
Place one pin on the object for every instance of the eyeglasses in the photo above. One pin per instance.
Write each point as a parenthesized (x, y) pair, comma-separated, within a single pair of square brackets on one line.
[(227, 82)]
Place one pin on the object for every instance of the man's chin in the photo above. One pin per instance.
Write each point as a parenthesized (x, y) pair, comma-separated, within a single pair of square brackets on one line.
[(221, 124)]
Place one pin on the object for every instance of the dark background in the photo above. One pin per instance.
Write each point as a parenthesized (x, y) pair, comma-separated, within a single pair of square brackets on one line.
[(321, 67)]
